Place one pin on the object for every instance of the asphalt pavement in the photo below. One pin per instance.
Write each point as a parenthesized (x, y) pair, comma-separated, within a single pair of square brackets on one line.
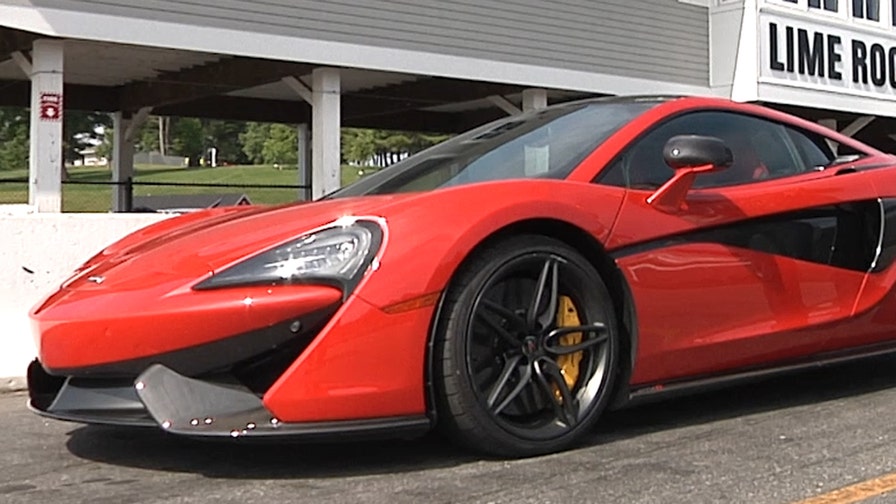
[(776, 441)]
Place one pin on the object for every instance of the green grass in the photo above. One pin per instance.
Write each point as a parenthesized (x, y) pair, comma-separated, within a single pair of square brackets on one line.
[(92, 194)]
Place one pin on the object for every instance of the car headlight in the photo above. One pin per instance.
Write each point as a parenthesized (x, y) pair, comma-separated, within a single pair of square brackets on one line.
[(335, 255)]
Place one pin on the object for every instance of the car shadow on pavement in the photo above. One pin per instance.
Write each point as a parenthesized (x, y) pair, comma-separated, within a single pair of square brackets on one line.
[(778, 392), (155, 450)]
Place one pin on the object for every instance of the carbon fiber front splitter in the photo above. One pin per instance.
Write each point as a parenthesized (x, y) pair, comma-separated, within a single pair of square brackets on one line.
[(191, 407)]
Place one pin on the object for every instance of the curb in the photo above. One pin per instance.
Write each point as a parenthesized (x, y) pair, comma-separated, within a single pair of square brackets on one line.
[(13, 384)]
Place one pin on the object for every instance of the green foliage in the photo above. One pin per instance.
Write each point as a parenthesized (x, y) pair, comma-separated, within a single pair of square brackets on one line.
[(14, 138), (147, 140), (270, 144), (281, 146), (252, 140), (236, 142), (187, 139), (225, 136), (104, 149), (82, 130), (193, 138), (359, 146), (382, 148)]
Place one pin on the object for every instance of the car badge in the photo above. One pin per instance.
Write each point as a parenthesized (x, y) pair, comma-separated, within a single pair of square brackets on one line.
[(97, 279)]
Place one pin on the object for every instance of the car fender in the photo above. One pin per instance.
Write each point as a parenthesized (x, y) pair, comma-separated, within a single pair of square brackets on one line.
[(446, 226)]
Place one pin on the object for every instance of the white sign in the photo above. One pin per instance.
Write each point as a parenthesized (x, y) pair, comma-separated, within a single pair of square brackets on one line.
[(822, 56)]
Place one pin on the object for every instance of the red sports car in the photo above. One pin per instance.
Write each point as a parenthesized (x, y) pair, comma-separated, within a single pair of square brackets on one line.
[(506, 286)]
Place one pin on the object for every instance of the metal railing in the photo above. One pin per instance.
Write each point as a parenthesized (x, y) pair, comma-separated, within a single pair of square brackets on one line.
[(97, 196), (77, 195)]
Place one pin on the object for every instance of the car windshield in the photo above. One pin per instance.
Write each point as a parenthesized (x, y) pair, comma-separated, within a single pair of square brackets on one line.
[(546, 143)]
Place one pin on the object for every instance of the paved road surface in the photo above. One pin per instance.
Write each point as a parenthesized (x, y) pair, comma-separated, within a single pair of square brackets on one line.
[(777, 441)]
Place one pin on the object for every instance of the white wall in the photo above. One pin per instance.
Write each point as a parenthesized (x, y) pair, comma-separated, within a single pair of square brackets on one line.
[(50, 245)]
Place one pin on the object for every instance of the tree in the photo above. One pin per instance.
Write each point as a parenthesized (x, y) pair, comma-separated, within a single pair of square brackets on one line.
[(280, 147), (14, 135), (270, 144), (82, 130), (252, 141), (192, 137), (225, 136), (382, 148), (358, 145), (147, 139), (187, 139)]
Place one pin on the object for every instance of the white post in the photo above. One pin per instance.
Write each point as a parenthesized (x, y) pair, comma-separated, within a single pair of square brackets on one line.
[(537, 157), (325, 125), (304, 165), (534, 98), (122, 162), (45, 166)]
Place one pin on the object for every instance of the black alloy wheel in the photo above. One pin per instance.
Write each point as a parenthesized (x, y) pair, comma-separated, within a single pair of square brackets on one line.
[(526, 348)]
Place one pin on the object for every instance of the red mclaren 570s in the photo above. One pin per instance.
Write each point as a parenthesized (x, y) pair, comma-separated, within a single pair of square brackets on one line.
[(506, 286)]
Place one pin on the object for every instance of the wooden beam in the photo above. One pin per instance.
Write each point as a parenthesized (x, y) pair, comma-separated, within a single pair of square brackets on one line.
[(439, 91), (17, 93), (12, 40), (23, 62), (406, 97), (298, 87), (854, 127), (213, 79), (240, 109), (505, 105), (241, 73), (297, 112), (429, 122)]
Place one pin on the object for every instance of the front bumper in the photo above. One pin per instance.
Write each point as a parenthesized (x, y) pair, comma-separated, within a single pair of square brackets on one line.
[(161, 397)]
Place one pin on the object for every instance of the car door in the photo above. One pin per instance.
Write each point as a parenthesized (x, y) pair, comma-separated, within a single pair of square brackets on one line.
[(762, 258)]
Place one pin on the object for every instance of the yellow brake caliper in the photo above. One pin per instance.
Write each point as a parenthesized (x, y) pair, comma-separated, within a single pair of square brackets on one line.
[(568, 316)]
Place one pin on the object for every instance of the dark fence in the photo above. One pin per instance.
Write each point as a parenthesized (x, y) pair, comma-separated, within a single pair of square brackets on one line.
[(96, 196), (139, 196)]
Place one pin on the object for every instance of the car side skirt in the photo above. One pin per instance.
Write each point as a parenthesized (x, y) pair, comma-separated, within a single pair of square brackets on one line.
[(640, 394)]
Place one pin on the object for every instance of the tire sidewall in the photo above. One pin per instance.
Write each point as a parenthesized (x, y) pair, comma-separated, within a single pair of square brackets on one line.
[(477, 427)]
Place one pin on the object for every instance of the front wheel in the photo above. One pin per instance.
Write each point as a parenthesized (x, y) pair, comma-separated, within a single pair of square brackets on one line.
[(526, 348)]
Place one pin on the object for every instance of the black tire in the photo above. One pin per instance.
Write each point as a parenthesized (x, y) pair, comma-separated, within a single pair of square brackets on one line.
[(502, 384)]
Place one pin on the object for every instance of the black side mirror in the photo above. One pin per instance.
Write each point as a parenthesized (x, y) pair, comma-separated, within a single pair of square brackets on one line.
[(690, 151), (689, 156)]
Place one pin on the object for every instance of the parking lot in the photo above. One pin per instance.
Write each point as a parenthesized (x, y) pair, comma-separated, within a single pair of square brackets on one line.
[(778, 441)]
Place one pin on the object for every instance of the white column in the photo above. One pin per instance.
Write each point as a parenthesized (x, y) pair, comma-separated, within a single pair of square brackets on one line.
[(304, 165), (325, 125), (122, 162), (534, 98), (537, 157), (45, 188)]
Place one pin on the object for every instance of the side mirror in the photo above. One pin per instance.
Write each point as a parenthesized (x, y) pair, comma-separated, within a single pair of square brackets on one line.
[(689, 156), (691, 151)]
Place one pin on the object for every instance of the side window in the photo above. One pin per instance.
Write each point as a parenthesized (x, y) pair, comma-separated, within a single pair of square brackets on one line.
[(812, 148), (762, 149)]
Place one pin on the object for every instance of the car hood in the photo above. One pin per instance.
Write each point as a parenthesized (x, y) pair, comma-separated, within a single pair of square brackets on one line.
[(194, 246)]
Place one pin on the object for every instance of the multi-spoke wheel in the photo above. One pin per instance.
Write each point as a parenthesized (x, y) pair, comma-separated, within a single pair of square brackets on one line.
[(525, 350)]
